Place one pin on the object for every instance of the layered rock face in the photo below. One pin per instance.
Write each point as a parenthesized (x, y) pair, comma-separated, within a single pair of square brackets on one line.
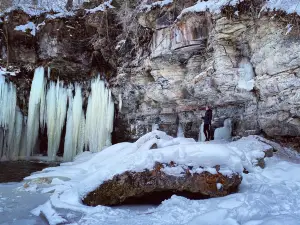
[(165, 72), (152, 187), (246, 68)]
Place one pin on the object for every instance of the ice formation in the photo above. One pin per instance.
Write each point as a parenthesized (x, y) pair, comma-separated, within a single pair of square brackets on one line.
[(180, 132), (99, 117), (201, 137), (246, 75), (56, 115), (8, 101), (224, 133), (37, 93), (51, 107)]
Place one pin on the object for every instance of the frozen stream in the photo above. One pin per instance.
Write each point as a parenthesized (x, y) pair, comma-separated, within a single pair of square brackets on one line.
[(15, 205)]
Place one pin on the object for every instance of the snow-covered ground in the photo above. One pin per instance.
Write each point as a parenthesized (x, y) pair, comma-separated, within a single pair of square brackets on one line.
[(267, 196)]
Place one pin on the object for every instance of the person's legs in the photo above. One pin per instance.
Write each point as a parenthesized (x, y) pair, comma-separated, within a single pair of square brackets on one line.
[(206, 132)]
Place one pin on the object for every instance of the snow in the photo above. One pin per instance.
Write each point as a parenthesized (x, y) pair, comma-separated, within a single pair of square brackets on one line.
[(3, 71), (101, 7), (89, 170), (29, 26), (289, 6), (266, 196), (214, 6), (148, 7), (56, 6)]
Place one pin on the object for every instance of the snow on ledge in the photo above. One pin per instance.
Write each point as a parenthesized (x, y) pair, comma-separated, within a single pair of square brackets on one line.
[(160, 4), (101, 7), (3, 71), (289, 6), (214, 6), (29, 26)]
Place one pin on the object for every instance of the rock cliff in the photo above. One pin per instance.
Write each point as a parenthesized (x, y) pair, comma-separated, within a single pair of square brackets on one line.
[(164, 68)]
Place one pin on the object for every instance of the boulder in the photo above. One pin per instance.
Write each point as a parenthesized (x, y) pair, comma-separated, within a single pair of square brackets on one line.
[(154, 186)]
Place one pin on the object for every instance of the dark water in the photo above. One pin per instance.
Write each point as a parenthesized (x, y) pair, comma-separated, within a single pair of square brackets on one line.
[(17, 170)]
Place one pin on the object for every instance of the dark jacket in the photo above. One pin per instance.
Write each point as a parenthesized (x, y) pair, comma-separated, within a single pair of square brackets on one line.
[(208, 117)]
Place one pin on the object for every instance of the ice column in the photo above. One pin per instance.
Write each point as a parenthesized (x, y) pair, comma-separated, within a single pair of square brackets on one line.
[(99, 117), (56, 116), (37, 93), (180, 132)]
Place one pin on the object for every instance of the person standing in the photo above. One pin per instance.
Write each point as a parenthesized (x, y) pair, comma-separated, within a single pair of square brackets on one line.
[(207, 123)]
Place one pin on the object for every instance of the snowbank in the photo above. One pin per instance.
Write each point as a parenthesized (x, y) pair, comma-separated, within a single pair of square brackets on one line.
[(214, 6), (71, 181), (138, 156)]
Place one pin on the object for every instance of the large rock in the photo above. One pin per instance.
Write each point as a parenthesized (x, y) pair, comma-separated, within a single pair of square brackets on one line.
[(152, 187)]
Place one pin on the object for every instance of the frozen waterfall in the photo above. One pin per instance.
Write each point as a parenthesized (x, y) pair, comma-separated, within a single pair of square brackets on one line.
[(52, 107), (180, 132)]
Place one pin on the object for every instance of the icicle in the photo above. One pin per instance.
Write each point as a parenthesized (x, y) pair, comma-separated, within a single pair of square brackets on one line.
[(180, 132), (15, 146), (1, 141), (120, 102), (99, 116), (8, 99), (36, 94), (49, 72), (77, 117), (68, 148), (43, 107), (201, 137), (56, 116), (23, 142), (81, 136)]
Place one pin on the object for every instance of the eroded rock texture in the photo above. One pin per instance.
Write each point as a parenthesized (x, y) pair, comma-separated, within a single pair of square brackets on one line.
[(152, 187), (245, 67)]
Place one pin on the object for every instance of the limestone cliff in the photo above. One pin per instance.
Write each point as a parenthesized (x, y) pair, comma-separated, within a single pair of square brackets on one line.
[(164, 69)]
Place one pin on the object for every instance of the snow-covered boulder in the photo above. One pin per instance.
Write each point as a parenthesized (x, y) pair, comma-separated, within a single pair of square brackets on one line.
[(177, 166), (160, 183)]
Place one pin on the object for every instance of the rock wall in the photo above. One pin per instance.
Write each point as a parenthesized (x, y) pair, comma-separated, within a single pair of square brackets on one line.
[(165, 72), (244, 67)]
